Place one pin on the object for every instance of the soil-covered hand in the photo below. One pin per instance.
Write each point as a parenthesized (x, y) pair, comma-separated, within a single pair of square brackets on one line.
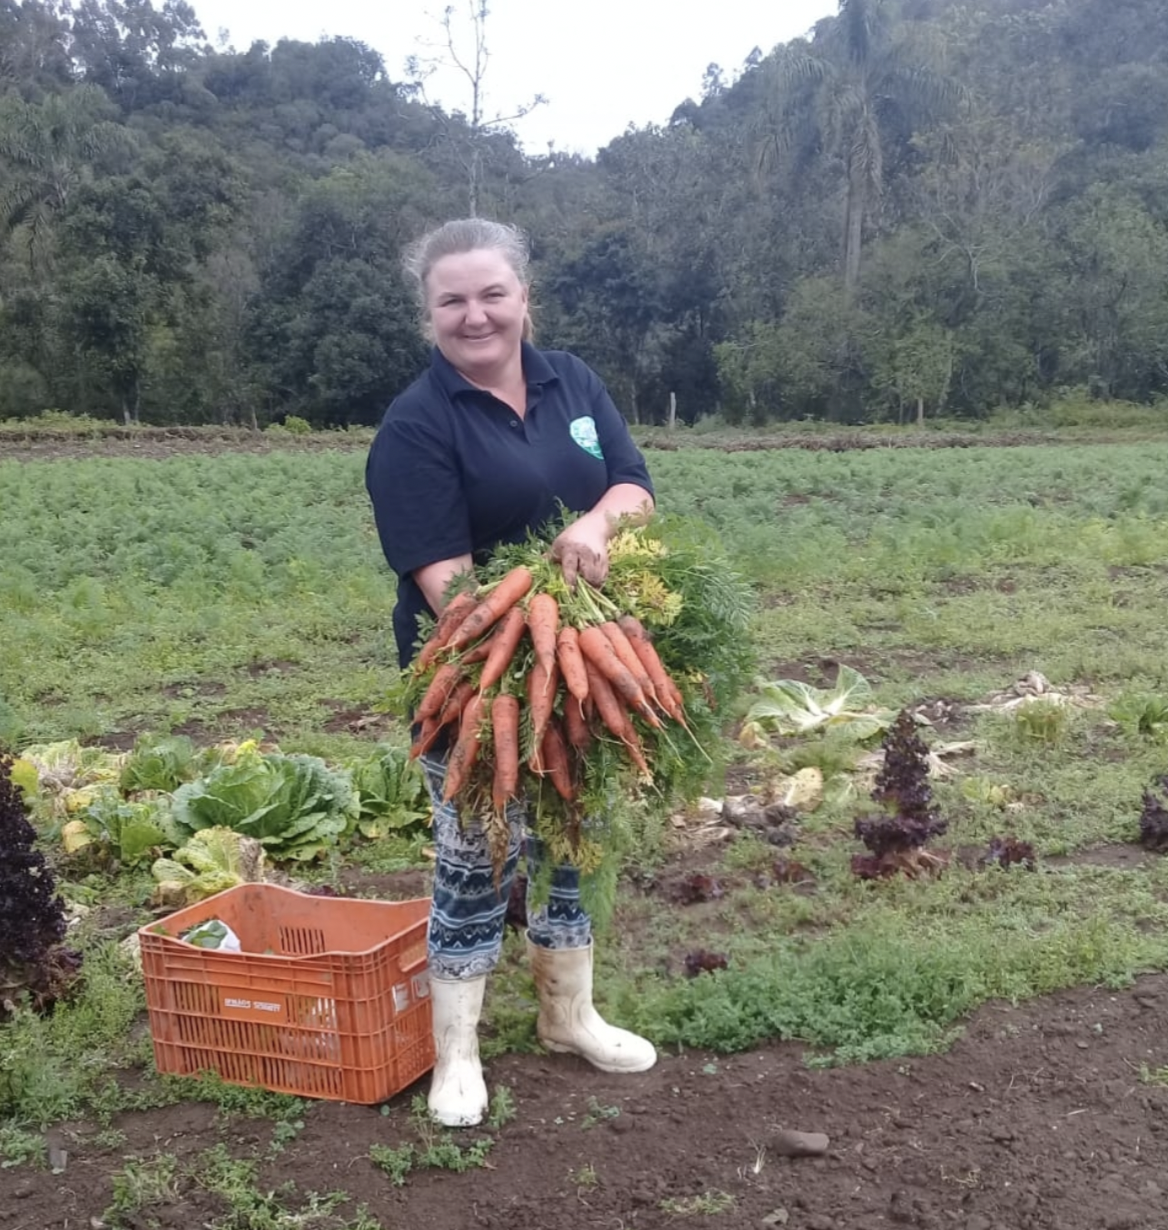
[(581, 550)]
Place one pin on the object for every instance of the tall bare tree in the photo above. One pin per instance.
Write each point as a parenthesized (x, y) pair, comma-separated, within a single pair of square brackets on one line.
[(463, 48)]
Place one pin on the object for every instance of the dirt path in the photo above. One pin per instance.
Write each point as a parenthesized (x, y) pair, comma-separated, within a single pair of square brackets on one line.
[(1036, 1120), (158, 442)]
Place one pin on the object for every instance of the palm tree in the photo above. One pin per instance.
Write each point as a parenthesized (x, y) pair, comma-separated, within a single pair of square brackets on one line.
[(860, 75), (48, 149)]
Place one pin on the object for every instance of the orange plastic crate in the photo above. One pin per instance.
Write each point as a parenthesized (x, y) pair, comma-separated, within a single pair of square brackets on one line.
[(329, 999)]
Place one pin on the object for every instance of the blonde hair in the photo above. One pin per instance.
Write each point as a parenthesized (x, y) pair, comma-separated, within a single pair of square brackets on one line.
[(468, 235)]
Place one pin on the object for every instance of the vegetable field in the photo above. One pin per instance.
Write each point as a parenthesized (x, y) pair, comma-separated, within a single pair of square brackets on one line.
[(144, 595), (949, 959)]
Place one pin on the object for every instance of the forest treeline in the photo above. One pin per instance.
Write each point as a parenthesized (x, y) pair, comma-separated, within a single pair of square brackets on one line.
[(924, 207)]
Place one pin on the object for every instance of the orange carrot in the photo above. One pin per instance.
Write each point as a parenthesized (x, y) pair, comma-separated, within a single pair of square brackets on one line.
[(668, 696), (426, 736), (614, 715), (457, 609), (637, 753), (505, 724), (543, 622), (466, 750), (608, 706), (597, 649), (436, 695), (450, 712), (556, 762), (504, 642), (633, 628), (426, 739), (541, 698), (492, 608), (478, 652), (571, 663), (575, 723), (628, 656), (456, 703)]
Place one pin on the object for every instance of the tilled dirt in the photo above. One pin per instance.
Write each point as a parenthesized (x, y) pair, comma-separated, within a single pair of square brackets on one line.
[(160, 442), (1037, 1119)]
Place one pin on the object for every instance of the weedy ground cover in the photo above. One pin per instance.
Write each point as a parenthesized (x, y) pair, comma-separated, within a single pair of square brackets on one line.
[(229, 592), (239, 595)]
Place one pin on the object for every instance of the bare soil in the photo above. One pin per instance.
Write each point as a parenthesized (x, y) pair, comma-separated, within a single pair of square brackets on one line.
[(1036, 1120), (1041, 1117), (39, 444)]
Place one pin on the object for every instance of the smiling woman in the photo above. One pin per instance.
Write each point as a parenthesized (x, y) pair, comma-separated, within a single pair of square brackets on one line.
[(477, 310), (490, 442), (486, 447)]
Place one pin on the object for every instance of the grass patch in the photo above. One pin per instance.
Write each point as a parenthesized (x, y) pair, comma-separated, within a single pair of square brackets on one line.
[(19, 1147), (436, 1148), (142, 1185), (66, 1065), (59, 1066), (892, 982), (707, 1204), (585, 1179), (162, 1182)]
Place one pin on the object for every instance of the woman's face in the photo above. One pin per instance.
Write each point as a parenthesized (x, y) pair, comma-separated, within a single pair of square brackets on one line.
[(477, 307)]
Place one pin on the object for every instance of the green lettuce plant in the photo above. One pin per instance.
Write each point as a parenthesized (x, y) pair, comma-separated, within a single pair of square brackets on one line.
[(391, 791), (213, 861), (790, 707), (295, 806), (129, 831), (159, 764)]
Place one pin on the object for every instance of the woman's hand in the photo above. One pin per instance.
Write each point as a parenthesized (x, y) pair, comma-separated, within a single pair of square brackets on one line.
[(582, 551)]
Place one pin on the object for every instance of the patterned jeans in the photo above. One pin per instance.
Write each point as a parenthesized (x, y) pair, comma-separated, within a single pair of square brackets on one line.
[(467, 913)]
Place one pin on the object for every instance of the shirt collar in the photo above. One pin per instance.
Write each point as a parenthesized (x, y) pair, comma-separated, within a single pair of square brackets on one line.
[(536, 370)]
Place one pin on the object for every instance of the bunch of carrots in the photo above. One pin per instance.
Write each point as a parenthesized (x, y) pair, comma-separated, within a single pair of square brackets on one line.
[(514, 677)]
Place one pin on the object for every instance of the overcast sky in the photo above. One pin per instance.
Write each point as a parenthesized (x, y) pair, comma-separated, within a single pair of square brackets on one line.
[(601, 64)]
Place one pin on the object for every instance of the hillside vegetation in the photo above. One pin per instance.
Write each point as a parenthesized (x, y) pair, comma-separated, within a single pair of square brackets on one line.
[(923, 207)]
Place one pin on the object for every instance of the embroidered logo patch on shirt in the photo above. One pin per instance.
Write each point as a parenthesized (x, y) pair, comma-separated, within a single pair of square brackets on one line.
[(584, 433)]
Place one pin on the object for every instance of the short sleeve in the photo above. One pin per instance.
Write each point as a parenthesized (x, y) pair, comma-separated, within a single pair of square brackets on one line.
[(624, 459), (413, 481)]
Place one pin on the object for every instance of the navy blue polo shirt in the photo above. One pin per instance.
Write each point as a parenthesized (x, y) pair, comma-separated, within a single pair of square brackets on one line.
[(454, 471)]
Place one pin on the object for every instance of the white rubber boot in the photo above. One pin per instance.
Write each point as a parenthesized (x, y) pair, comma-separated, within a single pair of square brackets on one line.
[(458, 1093), (567, 1020)]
